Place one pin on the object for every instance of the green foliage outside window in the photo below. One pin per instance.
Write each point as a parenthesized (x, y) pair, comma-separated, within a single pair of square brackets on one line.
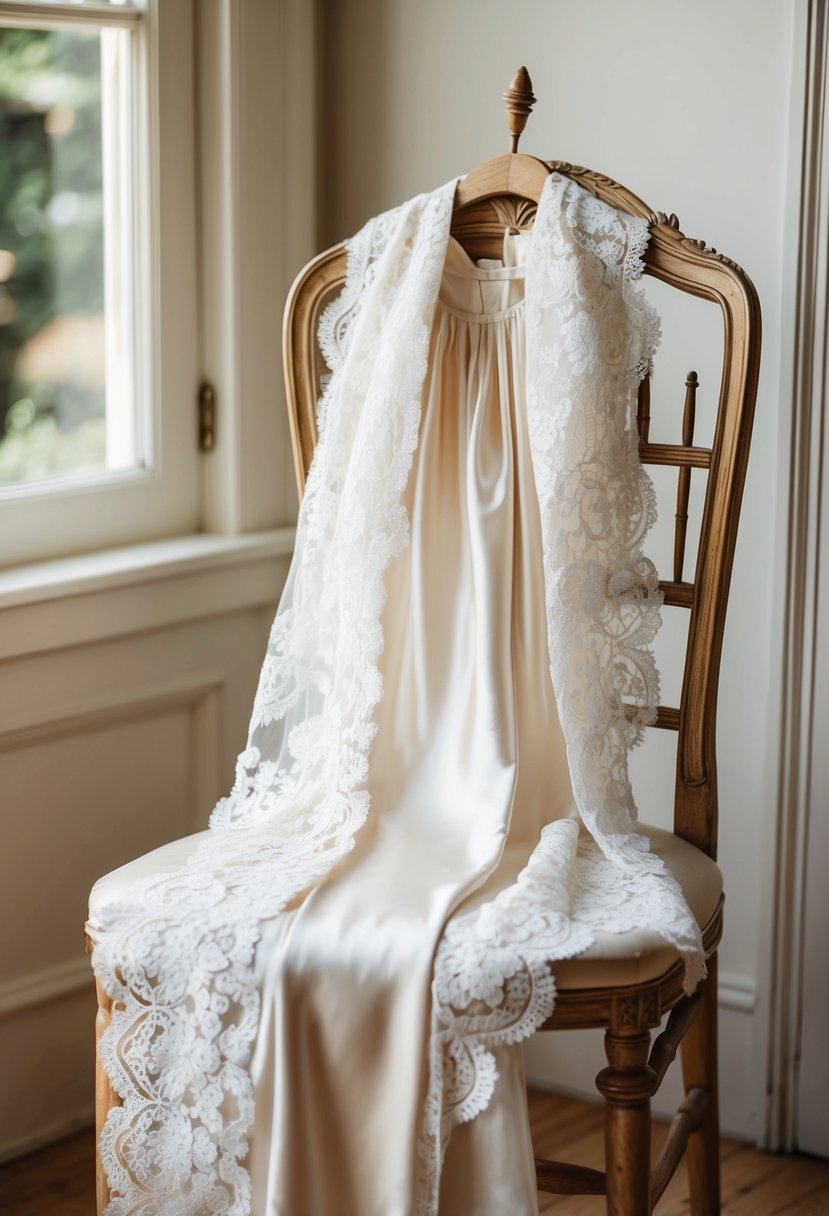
[(52, 393)]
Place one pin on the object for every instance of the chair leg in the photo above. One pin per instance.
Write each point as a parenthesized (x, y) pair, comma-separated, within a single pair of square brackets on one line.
[(627, 1085), (105, 1098), (699, 1068)]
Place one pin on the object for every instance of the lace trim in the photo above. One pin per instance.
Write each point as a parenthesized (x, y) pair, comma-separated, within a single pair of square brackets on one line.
[(177, 954), (591, 336), (597, 502), (363, 253), (641, 309)]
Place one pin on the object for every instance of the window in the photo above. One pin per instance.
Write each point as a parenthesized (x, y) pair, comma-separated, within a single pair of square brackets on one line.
[(67, 370), (98, 349)]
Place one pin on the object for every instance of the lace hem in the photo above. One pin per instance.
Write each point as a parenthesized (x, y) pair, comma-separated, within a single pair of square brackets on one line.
[(176, 955), (591, 336)]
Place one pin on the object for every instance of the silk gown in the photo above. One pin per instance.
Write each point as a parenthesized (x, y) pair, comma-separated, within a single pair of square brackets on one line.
[(468, 737)]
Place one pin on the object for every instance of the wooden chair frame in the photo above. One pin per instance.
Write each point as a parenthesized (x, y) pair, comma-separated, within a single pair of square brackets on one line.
[(634, 1069)]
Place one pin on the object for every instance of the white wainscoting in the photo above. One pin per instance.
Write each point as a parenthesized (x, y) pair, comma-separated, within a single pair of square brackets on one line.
[(126, 682)]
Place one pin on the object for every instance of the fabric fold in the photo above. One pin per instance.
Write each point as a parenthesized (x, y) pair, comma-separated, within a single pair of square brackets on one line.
[(433, 804)]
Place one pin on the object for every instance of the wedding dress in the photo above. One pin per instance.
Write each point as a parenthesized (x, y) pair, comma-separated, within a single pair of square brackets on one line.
[(322, 1007)]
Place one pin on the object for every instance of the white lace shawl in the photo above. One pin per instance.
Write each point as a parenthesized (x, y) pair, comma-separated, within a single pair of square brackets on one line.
[(176, 954)]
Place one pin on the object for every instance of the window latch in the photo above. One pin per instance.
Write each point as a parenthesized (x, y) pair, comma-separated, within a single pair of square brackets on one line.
[(207, 416)]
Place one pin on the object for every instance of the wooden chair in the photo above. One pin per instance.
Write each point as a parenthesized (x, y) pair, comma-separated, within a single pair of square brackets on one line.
[(629, 994)]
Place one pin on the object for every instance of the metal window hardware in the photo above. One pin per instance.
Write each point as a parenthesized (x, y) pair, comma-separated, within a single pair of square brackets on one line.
[(207, 416)]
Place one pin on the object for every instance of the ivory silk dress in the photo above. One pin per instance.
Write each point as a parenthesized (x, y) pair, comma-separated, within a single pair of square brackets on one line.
[(468, 734)]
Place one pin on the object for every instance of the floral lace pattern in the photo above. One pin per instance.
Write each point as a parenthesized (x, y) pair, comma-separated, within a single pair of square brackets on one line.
[(591, 336), (176, 954)]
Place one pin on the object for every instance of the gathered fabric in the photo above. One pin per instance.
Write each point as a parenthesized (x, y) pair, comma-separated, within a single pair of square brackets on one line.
[(319, 1003)]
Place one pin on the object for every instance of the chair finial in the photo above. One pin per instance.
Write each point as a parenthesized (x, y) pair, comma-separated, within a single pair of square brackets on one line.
[(519, 99)]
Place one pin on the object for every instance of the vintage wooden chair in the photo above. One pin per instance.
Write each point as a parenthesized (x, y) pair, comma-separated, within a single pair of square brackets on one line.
[(627, 987)]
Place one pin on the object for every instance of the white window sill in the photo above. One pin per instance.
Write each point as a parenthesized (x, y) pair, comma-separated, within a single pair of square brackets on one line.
[(160, 559), (83, 599)]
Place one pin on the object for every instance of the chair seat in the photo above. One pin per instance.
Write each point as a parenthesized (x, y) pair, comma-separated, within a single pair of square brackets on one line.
[(160, 861), (617, 960), (614, 960)]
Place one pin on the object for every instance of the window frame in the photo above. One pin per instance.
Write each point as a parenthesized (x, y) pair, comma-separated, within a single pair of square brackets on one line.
[(162, 497)]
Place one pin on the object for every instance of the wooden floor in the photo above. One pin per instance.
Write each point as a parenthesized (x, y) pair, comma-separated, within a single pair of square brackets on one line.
[(753, 1184), (58, 1181)]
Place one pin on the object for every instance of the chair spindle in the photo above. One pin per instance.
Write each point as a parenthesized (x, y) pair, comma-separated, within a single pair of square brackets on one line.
[(643, 408), (683, 486)]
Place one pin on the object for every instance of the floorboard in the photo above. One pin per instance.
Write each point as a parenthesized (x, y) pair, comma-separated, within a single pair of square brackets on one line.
[(59, 1180), (754, 1183)]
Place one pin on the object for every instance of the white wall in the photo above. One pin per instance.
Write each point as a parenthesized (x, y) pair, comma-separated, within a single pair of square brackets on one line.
[(688, 106)]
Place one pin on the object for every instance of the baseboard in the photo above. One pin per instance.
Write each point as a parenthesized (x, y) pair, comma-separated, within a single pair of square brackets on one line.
[(45, 984), (47, 1058), (50, 1134), (737, 993)]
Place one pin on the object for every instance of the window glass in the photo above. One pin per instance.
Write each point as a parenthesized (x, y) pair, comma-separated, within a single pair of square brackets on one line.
[(66, 308)]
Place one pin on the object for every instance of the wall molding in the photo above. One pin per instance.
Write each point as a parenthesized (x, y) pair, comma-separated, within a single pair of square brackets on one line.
[(105, 711), (737, 993), (257, 227), (200, 692), (154, 561), (44, 985), (56, 985), (56, 1001), (89, 600), (81, 1118), (802, 475)]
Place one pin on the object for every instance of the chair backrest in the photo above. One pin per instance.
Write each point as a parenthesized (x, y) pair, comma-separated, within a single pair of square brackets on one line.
[(689, 266)]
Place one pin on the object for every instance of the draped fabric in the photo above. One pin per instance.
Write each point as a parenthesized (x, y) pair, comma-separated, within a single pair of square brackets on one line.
[(433, 805)]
